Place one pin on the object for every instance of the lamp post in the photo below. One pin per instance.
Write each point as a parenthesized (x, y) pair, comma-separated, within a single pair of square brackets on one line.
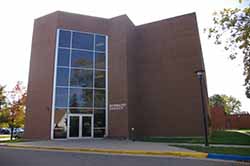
[(200, 74)]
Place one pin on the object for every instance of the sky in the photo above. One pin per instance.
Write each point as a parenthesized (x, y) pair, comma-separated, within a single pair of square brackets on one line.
[(16, 26)]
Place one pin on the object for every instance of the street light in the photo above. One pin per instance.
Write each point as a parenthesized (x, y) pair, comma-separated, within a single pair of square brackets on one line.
[(200, 74)]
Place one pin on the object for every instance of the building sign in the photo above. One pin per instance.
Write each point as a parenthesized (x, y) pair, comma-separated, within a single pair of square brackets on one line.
[(117, 107)]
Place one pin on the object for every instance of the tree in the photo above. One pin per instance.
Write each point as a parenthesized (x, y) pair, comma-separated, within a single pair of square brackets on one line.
[(2, 96), (13, 112), (232, 29), (3, 113), (230, 104)]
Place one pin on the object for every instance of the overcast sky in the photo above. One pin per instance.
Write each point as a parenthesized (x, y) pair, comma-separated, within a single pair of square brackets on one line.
[(16, 25)]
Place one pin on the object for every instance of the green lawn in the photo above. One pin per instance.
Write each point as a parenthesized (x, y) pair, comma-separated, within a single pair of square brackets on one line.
[(4, 136), (216, 137), (219, 150)]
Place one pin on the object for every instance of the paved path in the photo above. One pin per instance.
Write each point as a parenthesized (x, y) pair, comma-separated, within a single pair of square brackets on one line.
[(118, 144), (105, 144), (17, 157), (239, 131)]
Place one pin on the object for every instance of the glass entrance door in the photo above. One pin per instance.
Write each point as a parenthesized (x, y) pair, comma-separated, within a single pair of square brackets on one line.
[(80, 126), (74, 126), (86, 126)]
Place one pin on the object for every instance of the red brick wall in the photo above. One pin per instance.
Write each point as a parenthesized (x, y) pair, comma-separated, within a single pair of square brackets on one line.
[(217, 118), (238, 121), (220, 120)]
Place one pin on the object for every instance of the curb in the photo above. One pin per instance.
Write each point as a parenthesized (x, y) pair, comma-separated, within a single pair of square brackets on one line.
[(114, 151), (228, 157)]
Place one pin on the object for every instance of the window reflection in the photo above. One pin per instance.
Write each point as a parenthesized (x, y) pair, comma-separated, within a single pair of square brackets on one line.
[(99, 60), (81, 97), (99, 118), (61, 97), (100, 79), (81, 78), (83, 111), (99, 98), (83, 59), (60, 123), (83, 41), (63, 57), (100, 43), (62, 76), (64, 38)]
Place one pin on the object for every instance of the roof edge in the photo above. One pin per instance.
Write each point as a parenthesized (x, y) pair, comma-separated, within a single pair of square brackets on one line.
[(170, 18), (64, 12), (123, 15)]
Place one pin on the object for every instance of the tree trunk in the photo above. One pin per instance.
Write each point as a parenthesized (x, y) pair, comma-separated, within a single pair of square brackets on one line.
[(11, 132), (11, 129)]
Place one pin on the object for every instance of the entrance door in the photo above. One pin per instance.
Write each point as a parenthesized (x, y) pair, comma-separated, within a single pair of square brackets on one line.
[(80, 126)]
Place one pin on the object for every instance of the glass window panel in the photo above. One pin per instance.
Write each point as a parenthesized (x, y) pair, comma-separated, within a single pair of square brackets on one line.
[(60, 123), (100, 79), (81, 97), (99, 118), (99, 133), (100, 43), (63, 57), (99, 98), (83, 111), (83, 41), (81, 78), (62, 76), (99, 60), (64, 38), (82, 59), (61, 97)]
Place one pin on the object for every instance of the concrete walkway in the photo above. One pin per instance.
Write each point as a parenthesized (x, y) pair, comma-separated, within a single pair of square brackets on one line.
[(104, 144), (112, 146)]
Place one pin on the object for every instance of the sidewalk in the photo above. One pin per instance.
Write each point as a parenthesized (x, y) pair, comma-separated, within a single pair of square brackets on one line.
[(104, 144), (108, 146), (129, 147)]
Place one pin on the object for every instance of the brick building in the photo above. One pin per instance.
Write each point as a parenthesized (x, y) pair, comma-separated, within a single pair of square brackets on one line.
[(97, 77)]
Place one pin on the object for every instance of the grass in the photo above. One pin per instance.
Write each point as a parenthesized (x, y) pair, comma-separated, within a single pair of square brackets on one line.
[(4, 136), (219, 150), (216, 137)]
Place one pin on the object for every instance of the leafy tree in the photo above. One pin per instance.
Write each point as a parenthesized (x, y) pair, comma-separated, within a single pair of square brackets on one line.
[(230, 104), (13, 113), (232, 29), (2, 96), (4, 114)]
